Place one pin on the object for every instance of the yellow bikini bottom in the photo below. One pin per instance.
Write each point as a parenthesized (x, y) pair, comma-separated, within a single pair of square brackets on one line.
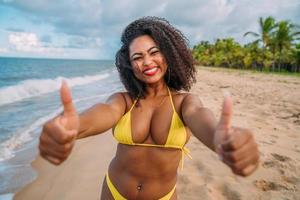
[(117, 196)]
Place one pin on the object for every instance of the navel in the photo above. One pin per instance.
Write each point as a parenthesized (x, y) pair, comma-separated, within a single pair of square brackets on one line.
[(139, 187)]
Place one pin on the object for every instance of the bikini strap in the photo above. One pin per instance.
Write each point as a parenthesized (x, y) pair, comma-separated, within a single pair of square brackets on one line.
[(133, 105), (170, 95)]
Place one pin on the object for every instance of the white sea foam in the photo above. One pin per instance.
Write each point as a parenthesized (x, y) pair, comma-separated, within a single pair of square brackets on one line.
[(8, 147), (8, 196), (37, 87)]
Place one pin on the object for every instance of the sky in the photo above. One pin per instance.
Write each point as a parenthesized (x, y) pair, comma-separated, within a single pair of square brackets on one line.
[(91, 29)]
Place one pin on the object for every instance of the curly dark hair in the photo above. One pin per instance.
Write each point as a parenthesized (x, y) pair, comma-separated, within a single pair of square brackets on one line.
[(173, 45)]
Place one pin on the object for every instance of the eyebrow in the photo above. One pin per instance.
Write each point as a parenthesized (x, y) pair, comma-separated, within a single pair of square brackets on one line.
[(147, 51)]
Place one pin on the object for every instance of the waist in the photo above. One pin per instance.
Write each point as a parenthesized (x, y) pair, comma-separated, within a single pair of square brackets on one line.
[(153, 170), (147, 162)]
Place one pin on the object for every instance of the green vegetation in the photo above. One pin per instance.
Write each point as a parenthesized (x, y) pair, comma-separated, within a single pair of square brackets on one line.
[(276, 48)]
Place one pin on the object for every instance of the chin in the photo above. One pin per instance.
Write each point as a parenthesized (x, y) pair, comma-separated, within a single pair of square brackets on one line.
[(153, 80)]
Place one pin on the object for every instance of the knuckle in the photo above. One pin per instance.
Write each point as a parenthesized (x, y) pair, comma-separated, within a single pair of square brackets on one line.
[(236, 166), (233, 157), (41, 149), (66, 148), (63, 138), (233, 145), (65, 155), (47, 126), (244, 172)]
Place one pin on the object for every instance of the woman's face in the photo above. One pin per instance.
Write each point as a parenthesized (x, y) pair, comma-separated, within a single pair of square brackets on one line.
[(148, 62)]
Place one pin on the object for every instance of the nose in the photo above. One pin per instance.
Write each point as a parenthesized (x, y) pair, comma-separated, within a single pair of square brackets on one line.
[(147, 60)]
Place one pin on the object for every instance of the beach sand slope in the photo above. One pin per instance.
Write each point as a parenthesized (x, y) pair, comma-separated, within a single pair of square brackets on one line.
[(267, 104)]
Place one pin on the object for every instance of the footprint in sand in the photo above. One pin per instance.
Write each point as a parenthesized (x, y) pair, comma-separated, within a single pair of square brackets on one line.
[(231, 194), (278, 163), (269, 163), (275, 186), (274, 136), (267, 185), (280, 157)]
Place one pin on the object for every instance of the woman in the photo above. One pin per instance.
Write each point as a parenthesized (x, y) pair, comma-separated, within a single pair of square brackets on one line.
[(153, 120)]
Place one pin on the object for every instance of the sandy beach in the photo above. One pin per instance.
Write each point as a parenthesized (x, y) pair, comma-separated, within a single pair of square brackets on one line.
[(267, 104)]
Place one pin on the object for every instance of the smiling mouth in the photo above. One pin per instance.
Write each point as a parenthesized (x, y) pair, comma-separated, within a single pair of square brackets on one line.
[(150, 71)]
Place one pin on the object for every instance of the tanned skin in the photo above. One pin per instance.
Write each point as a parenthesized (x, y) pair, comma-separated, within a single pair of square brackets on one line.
[(149, 172)]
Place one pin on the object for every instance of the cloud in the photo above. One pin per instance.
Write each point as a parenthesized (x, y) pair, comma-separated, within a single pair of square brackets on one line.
[(98, 24), (70, 17), (24, 41), (84, 42), (29, 42), (3, 50)]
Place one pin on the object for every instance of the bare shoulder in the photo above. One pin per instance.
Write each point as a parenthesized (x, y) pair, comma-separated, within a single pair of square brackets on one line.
[(190, 102), (186, 98), (117, 101), (184, 101), (120, 99), (191, 99)]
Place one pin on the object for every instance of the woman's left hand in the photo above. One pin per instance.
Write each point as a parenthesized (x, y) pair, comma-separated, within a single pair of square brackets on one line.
[(235, 146)]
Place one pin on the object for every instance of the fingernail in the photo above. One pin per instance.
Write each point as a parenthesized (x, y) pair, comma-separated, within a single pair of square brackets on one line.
[(56, 160), (226, 93)]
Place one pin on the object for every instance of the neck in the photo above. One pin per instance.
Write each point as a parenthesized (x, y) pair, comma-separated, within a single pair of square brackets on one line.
[(157, 89)]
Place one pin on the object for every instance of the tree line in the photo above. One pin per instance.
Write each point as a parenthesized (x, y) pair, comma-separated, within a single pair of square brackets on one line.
[(276, 47)]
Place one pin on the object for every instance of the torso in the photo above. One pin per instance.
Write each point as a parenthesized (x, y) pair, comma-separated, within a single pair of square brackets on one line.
[(152, 168)]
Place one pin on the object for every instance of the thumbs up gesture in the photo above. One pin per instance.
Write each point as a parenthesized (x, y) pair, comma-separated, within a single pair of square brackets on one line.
[(235, 146), (59, 134)]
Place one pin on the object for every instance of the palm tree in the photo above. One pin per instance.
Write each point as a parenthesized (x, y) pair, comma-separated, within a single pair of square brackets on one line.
[(266, 28), (296, 58), (284, 37)]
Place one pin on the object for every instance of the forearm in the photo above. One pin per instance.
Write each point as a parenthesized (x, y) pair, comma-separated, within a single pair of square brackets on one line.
[(96, 120), (202, 123)]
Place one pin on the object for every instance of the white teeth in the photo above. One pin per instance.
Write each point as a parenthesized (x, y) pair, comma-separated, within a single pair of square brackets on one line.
[(150, 70)]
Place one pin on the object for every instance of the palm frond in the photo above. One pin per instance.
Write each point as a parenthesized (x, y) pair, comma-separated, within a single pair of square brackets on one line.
[(251, 33)]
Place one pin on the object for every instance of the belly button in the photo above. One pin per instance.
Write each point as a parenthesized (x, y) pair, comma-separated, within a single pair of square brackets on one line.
[(139, 187)]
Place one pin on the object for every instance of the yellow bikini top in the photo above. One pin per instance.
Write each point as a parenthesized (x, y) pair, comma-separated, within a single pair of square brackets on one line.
[(176, 137)]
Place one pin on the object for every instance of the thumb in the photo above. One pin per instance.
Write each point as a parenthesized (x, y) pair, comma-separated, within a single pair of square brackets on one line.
[(66, 99), (226, 115)]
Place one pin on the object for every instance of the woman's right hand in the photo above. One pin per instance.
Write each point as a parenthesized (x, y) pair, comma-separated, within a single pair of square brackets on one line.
[(59, 134)]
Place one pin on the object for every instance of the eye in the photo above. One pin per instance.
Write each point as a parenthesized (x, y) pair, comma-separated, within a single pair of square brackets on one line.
[(154, 52), (136, 58)]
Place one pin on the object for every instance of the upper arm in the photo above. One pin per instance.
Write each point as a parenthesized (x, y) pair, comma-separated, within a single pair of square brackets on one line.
[(117, 103), (199, 119), (102, 116)]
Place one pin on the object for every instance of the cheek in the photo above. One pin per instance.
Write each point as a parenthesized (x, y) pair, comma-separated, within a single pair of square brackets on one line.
[(163, 63), (135, 65), (136, 69)]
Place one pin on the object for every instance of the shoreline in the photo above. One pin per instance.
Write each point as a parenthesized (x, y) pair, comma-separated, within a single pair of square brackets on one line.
[(268, 105), (87, 170)]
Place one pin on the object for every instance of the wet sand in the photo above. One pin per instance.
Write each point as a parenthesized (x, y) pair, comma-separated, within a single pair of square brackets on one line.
[(267, 104)]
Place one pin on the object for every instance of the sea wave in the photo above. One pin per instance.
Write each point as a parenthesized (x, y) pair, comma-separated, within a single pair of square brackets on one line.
[(36, 87), (8, 147)]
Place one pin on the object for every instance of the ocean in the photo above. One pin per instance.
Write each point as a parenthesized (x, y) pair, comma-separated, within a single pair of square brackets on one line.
[(29, 97)]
